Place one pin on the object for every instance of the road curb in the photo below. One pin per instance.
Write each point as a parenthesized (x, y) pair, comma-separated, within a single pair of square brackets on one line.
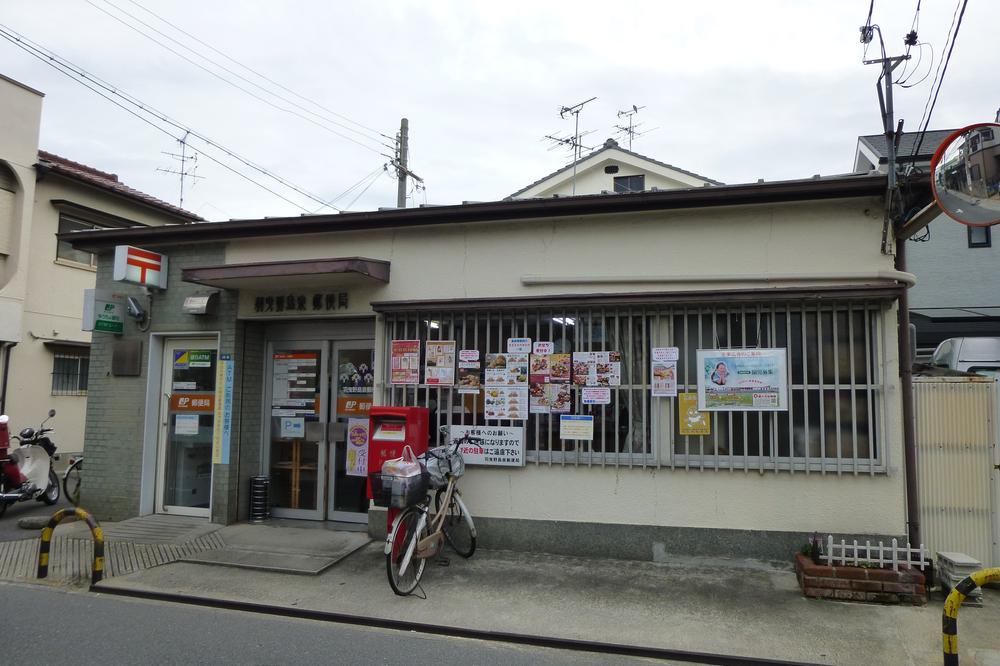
[(454, 632)]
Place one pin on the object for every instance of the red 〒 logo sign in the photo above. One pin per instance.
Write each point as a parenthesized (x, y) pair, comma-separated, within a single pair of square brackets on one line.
[(133, 264)]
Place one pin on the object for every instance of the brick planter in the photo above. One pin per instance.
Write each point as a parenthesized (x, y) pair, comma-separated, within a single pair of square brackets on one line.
[(885, 586)]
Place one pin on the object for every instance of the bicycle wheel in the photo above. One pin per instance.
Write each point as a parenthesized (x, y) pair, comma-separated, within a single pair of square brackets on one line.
[(404, 581), (71, 482), (457, 528)]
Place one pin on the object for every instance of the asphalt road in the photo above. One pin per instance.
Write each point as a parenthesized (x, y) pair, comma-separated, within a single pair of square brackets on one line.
[(968, 211), (57, 626)]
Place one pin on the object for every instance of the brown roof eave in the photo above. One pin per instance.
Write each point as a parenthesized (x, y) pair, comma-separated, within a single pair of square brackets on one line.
[(728, 195)]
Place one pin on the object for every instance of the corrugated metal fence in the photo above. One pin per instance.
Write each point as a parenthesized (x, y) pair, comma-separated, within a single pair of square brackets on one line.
[(957, 440)]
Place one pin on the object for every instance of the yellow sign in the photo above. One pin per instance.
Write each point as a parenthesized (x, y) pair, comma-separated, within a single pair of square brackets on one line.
[(690, 420)]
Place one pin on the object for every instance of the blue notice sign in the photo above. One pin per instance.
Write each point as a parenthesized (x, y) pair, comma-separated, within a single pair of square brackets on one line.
[(575, 426)]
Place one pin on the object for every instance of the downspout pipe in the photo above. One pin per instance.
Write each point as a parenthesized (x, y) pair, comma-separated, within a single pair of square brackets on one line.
[(906, 386), (7, 347)]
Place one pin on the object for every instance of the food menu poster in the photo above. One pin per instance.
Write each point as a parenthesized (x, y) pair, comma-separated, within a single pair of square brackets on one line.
[(294, 384), (469, 371), (597, 368), (549, 399), (405, 362), (507, 370), (506, 403), (439, 362)]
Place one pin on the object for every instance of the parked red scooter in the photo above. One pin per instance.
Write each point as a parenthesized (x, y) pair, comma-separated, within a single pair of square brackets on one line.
[(26, 472)]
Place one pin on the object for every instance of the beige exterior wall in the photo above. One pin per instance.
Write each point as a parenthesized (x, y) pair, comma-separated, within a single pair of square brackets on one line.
[(815, 243)]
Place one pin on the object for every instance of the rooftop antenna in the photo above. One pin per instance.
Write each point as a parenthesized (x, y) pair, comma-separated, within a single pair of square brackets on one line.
[(630, 130), (182, 170), (575, 112)]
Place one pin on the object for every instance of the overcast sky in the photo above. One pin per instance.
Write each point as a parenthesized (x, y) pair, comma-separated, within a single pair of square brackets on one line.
[(735, 90)]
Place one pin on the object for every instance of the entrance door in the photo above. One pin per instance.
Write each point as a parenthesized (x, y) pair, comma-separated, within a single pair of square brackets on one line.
[(187, 411), (298, 403), (352, 383)]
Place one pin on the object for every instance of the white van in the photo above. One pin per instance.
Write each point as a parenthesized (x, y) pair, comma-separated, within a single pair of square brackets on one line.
[(979, 355)]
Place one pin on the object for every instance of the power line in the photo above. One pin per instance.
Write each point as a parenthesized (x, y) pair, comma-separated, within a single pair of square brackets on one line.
[(940, 80), (351, 188), (348, 207), (255, 72), (85, 78), (232, 83)]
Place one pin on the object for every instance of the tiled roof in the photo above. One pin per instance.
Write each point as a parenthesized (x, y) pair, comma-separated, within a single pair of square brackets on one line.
[(608, 145), (907, 142), (108, 181)]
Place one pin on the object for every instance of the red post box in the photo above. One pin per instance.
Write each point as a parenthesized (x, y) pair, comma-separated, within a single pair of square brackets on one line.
[(390, 430)]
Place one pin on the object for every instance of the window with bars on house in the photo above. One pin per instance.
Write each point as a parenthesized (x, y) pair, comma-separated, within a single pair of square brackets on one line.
[(69, 373), (835, 382)]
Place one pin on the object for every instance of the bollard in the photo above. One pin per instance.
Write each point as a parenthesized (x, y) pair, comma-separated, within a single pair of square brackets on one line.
[(97, 570), (949, 621)]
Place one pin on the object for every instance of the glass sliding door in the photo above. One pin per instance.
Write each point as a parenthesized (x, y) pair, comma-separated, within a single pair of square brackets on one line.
[(184, 453), (353, 363)]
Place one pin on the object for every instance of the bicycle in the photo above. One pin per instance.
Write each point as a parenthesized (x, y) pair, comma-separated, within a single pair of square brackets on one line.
[(414, 537), (71, 479)]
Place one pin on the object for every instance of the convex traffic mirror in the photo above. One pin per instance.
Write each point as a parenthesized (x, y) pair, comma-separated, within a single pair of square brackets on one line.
[(965, 175)]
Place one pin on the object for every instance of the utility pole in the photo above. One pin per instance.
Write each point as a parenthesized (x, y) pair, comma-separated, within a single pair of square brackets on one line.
[(182, 171), (400, 163)]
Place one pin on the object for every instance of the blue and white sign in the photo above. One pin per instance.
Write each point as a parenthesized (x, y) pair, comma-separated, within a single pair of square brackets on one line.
[(576, 426)]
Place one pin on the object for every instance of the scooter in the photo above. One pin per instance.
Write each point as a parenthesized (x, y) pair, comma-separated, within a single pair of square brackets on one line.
[(26, 472)]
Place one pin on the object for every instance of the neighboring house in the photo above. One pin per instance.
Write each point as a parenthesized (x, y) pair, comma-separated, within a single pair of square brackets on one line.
[(45, 356), (957, 267), (612, 170)]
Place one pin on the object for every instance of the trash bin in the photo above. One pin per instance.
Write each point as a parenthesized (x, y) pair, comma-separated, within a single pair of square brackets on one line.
[(260, 498)]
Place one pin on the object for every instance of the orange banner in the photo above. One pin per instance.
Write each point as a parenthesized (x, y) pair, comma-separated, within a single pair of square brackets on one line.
[(354, 405)]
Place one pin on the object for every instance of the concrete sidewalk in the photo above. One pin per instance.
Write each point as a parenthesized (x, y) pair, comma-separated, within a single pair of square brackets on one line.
[(726, 607)]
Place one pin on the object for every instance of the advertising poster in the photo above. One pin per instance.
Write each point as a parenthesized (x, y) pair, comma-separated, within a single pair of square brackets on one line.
[(559, 398), (468, 371), (357, 447), (664, 374), (742, 380), (597, 368), (355, 382), (405, 362), (576, 427), (540, 369), (506, 403), (499, 445), (559, 368), (440, 362), (507, 370), (222, 428), (689, 420)]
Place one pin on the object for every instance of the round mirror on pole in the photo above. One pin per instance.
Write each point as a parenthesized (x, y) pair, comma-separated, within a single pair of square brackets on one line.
[(965, 175)]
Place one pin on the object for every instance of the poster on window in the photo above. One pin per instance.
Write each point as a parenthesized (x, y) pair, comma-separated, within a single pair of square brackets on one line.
[(405, 359), (468, 371), (597, 368), (506, 403), (496, 445), (664, 384), (439, 362), (689, 420), (357, 447), (559, 368), (742, 380), (507, 370)]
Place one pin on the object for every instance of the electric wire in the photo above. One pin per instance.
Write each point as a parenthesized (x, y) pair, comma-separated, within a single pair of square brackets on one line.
[(81, 76), (349, 189), (905, 82), (377, 176), (255, 72), (940, 80), (232, 83)]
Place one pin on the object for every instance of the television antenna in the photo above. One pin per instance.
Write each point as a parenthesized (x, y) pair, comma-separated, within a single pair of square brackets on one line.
[(183, 170), (573, 142)]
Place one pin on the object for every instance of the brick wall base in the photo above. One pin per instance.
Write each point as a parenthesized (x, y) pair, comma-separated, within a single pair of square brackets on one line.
[(885, 586)]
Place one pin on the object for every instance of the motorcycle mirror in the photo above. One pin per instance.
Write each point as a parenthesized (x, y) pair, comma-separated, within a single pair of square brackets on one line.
[(52, 413), (965, 175)]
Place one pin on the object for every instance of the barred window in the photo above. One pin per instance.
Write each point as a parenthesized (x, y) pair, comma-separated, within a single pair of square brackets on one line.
[(835, 382), (69, 373)]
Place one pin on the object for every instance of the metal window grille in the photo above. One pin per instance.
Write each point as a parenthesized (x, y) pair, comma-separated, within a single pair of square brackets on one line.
[(835, 383), (69, 374)]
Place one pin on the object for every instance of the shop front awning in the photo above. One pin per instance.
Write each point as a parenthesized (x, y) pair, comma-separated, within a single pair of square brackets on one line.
[(308, 273)]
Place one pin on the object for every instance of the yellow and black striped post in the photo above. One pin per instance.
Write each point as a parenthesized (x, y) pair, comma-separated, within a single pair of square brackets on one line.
[(949, 621), (97, 571)]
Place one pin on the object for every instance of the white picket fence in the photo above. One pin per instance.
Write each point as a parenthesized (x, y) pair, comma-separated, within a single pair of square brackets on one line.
[(856, 554)]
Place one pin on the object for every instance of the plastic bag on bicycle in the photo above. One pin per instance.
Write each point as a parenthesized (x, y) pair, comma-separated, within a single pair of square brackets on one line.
[(442, 461)]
